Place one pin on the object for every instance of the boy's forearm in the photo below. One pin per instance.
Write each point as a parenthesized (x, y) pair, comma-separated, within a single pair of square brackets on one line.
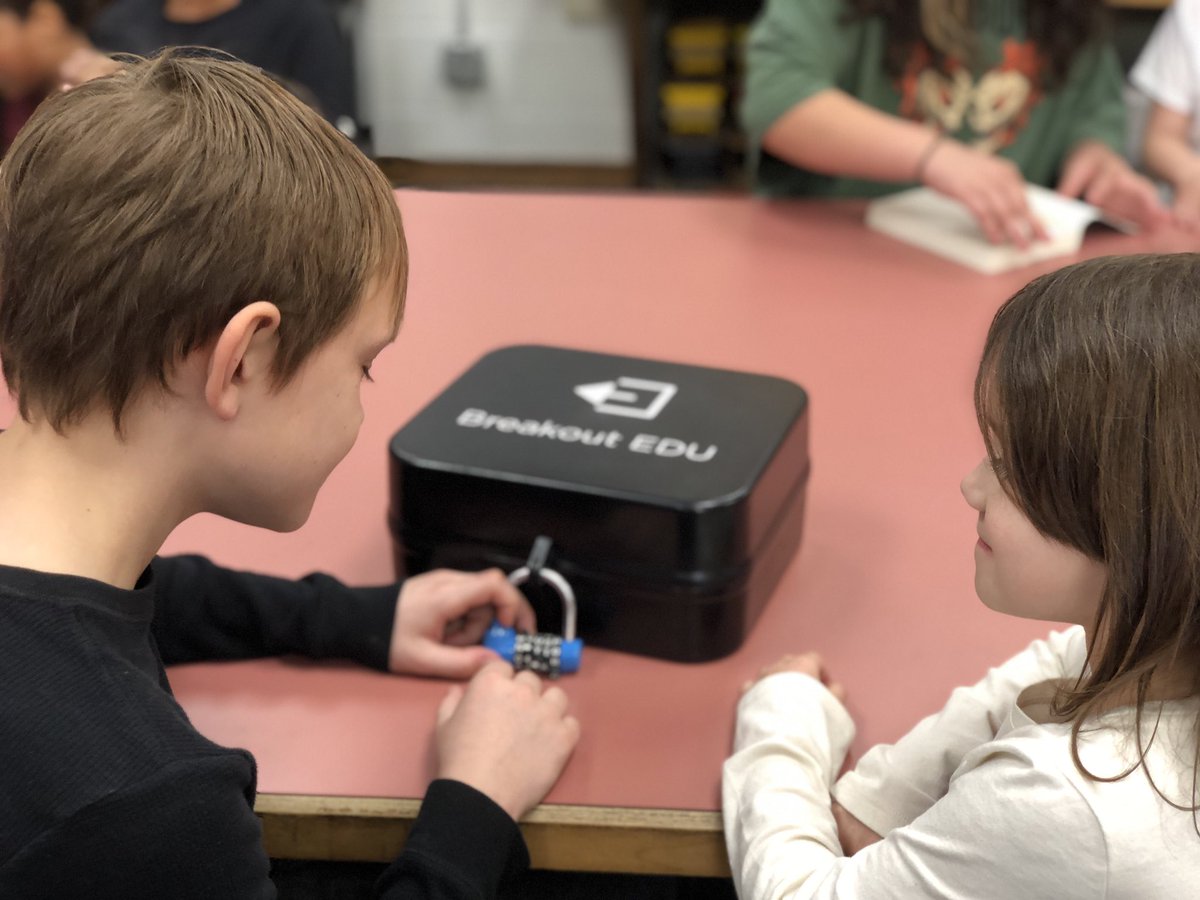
[(461, 846), (204, 611), (835, 134)]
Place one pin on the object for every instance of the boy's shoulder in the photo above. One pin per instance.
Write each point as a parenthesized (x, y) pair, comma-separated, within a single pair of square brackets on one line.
[(86, 722), (183, 831)]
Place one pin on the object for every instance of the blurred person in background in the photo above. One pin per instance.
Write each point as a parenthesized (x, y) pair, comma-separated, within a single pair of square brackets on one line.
[(298, 41), (38, 38), (971, 98)]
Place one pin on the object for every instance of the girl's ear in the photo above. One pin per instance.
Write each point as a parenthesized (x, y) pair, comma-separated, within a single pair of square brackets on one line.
[(241, 357)]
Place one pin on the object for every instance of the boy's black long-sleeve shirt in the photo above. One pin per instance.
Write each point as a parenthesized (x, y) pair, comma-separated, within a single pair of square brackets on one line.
[(106, 789)]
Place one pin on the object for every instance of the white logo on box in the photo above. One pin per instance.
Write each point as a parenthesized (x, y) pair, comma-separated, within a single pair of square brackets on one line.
[(636, 398)]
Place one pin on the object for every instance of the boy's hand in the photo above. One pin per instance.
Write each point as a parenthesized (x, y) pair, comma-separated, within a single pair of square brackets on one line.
[(442, 616), (504, 736), (809, 664), (1103, 178)]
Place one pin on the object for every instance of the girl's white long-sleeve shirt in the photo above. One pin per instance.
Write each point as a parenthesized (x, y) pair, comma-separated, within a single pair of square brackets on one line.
[(981, 800)]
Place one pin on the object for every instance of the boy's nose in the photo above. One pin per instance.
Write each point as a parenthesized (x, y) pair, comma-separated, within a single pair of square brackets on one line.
[(972, 486)]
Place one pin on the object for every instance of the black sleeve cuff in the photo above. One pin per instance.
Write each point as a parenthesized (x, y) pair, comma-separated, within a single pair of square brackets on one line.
[(460, 838), (359, 626)]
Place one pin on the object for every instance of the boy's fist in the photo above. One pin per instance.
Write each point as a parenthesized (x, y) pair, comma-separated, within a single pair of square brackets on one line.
[(503, 735), (442, 616)]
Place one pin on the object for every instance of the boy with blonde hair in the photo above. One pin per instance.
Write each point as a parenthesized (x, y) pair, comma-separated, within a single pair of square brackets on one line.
[(196, 273)]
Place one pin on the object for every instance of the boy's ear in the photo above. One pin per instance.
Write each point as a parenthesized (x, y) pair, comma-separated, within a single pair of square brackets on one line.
[(243, 351)]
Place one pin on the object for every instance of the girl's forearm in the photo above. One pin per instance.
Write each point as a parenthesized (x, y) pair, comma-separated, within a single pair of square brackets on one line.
[(832, 133)]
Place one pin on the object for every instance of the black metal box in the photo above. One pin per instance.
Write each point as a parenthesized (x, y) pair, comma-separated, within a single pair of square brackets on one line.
[(674, 494)]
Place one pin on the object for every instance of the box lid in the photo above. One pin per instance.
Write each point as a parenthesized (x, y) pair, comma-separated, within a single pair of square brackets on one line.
[(650, 432)]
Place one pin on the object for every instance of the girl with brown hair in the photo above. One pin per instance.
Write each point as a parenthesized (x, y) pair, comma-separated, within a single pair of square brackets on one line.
[(1071, 770)]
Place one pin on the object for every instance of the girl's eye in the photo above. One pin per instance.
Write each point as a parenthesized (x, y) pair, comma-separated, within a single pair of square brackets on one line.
[(366, 370), (998, 468)]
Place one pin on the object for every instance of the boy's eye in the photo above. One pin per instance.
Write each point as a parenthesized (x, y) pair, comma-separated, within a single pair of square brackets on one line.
[(366, 370)]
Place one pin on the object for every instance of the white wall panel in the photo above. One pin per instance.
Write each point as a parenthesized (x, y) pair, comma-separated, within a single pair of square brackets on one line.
[(557, 86)]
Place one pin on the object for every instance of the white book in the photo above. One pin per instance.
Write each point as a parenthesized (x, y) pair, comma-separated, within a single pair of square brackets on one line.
[(934, 222)]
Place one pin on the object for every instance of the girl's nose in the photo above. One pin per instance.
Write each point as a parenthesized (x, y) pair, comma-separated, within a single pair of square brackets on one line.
[(972, 486)]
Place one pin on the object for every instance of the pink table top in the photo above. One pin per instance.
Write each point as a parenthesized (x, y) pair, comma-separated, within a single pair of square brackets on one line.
[(884, 338)]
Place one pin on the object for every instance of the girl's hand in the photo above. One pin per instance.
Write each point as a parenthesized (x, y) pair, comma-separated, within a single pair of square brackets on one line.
[(441, 617), (809, 664), (1103, 178), (506, 737), (990, 187)]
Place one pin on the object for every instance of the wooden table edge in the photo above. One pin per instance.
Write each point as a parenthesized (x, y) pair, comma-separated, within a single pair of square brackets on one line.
[(563, 837)]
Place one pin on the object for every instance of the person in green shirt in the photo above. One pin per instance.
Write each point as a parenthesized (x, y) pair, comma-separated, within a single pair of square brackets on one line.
[(856, 98)]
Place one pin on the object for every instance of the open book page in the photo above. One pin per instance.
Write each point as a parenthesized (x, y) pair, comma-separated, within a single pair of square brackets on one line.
[(929, 220)]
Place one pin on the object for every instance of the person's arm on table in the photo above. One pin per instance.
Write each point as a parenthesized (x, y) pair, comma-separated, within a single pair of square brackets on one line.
[(833, 133), (502, 743), (1168, 153), (796, 112), (790, 740), (1099, 175), (188, 830), (429, 625), (893, 784), (1095, 169), (1166, 74), (998, 833)]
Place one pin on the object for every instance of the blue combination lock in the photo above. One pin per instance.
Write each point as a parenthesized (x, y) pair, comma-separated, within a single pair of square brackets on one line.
[(546, 654)]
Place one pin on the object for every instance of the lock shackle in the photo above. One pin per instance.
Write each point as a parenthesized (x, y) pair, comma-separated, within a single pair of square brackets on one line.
[(561, 585)]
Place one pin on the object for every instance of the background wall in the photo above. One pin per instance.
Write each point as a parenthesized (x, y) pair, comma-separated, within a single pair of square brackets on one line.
[(556, 89)]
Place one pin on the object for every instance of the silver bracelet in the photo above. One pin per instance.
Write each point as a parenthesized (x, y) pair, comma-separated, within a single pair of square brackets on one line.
[(926, 155)]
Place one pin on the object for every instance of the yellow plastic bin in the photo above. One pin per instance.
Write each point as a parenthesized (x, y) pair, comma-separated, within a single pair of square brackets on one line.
[(698, 49), (693, 107)]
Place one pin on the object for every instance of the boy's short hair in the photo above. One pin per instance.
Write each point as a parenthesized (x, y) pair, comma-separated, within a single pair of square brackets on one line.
[(140, 211)]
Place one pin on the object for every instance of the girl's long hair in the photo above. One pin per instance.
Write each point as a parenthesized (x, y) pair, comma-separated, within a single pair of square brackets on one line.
[(1089, 394), (1059, 29)]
